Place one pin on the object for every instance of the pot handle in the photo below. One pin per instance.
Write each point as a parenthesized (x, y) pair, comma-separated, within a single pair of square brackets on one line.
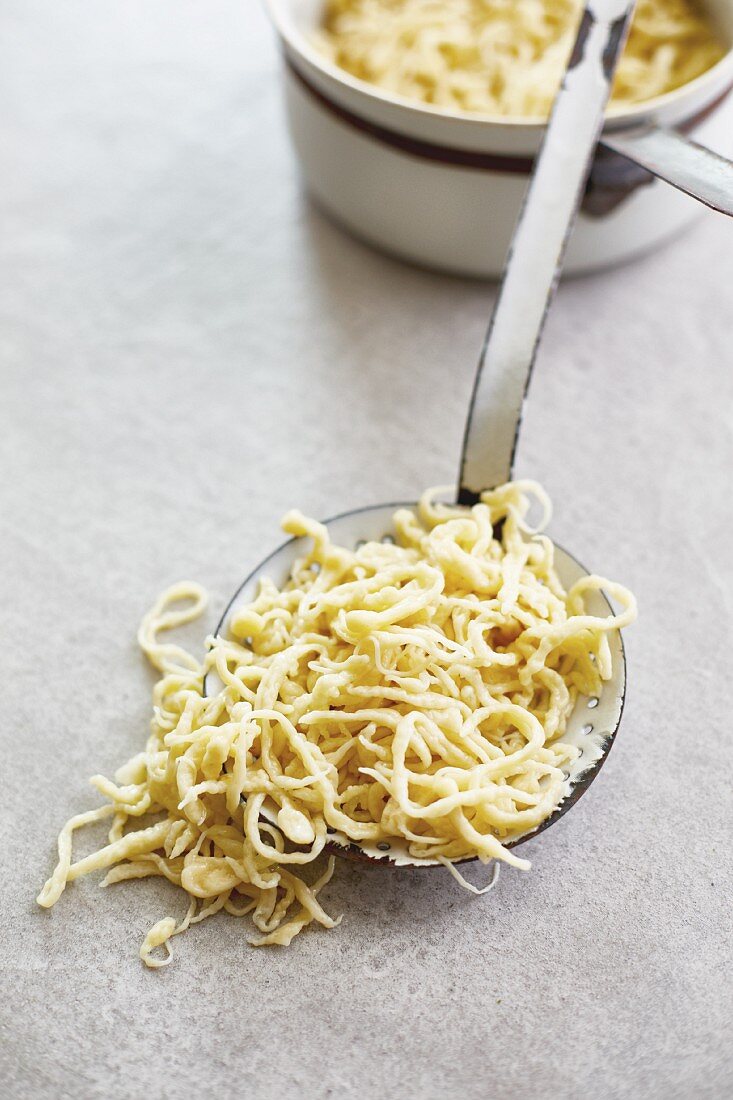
[(676, 159)]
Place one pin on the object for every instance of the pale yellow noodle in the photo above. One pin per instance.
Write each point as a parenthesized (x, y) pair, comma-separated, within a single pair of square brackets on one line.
[(418, 689), (507, 57)]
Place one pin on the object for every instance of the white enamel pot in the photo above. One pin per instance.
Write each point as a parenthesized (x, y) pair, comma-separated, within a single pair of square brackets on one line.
[(443, 189)]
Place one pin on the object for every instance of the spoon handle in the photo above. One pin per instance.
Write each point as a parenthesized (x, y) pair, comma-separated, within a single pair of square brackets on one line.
[(538, 248), (678, 160)]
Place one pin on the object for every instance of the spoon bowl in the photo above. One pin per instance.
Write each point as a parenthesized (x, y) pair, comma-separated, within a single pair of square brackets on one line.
[(592, 725)]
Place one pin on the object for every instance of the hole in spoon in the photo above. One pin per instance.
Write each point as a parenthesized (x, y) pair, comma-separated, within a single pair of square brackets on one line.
[(593, 702)]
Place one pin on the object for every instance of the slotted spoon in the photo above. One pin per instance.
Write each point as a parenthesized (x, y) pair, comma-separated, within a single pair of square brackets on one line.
[(502, 378)]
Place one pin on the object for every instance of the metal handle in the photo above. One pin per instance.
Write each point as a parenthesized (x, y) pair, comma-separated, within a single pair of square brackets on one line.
[(538, 248), (676, 159)]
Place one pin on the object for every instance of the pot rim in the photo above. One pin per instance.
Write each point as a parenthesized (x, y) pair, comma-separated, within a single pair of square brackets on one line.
[(280, 14)]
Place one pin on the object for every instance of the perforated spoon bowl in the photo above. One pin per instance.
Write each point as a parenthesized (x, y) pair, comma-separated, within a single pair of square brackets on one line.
[(592, 724), (502, 378)]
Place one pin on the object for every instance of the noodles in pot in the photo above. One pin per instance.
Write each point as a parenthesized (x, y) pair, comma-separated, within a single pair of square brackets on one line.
[(507, 57)]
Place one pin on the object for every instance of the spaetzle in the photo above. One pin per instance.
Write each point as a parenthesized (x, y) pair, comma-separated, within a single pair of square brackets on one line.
[(507, 57), (418, 689)]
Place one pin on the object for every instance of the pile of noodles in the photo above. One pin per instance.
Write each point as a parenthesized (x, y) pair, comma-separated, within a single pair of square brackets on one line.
[(415, 688), (507, 57)]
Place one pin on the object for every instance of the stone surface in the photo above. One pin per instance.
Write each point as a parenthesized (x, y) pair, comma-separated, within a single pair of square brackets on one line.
[(189, 348)]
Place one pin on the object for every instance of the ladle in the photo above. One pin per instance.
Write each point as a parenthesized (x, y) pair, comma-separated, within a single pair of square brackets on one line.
[(503, 374)]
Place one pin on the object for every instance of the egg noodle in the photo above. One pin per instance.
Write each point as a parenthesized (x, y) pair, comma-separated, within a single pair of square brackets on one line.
[(507, 57), (418, 688)]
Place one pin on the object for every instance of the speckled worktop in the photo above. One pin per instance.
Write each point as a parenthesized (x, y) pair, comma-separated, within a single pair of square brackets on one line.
[(188, 349)]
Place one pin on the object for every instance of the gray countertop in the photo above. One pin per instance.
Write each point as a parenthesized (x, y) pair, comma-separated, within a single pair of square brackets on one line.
[(188, 349)]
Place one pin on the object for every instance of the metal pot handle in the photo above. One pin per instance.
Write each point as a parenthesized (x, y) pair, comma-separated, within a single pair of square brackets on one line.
[(676, 159)]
